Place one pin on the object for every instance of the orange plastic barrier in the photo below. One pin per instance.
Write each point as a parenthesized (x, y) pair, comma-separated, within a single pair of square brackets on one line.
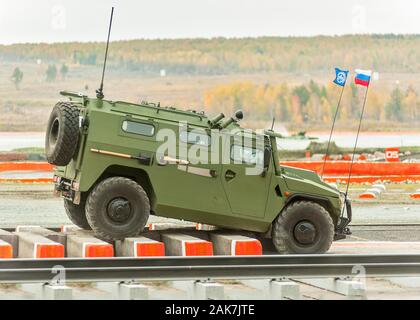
[(371, 179), (26, 180), (25, 166), (339, 168), (334, 170)]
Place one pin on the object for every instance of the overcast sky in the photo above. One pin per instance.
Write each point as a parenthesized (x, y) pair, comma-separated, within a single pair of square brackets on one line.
[(86, 20)]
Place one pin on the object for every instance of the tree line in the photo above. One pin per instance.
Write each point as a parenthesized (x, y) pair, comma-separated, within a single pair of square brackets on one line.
[(384, 53), (50, 74), (313, 103)]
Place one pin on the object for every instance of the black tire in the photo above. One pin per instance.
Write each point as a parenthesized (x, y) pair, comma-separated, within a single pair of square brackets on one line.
[(77, 213), (62, 136), (303, 227), (117, 208)]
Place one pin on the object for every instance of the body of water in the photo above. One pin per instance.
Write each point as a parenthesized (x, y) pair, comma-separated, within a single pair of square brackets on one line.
[(13, 140)]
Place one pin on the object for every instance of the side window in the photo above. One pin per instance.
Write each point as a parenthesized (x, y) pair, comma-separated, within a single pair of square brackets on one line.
[(194, 137), (143, 129), (246, 155)]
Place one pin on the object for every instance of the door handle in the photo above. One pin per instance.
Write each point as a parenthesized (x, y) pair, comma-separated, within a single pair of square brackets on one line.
[(229, 175)]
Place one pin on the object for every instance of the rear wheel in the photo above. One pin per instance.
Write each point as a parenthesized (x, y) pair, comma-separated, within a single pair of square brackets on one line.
[(77, 213), (117, 208), (62, 134), (303, 227)]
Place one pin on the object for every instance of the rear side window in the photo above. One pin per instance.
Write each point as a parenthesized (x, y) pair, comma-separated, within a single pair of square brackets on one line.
[(143, 129)]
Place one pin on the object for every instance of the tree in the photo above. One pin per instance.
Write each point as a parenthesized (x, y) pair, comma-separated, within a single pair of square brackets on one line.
[(51, 73), (64, 70), (395, 105), (411, 104), (302, 93), (17, 77)]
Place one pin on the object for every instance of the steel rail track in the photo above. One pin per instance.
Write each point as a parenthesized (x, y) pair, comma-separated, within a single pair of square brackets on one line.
[(202, 268)]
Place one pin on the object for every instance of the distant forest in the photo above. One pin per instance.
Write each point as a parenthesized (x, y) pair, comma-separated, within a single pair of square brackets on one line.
[(384, 53)]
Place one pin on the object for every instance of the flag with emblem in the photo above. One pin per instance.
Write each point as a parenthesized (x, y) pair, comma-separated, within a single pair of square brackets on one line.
[(340, 77)]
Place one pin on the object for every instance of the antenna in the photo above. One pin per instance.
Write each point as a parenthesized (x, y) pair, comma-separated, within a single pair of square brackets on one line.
[(99, 92), (272, 123)]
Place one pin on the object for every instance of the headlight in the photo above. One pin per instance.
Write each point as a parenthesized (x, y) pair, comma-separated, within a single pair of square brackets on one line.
[(342, 198)]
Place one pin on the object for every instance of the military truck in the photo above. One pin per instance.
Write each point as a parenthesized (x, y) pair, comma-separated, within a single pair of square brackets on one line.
[(112, 176)]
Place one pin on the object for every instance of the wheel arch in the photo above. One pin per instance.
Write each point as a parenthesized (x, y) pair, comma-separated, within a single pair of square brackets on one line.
[(322, 201), (136, 174)]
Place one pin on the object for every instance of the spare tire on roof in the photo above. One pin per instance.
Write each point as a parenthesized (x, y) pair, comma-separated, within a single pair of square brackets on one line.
[(62, 136)]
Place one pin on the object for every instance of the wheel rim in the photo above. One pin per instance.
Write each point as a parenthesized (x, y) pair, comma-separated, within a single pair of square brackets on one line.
[(305, 232), (119, 210), (54, 132)]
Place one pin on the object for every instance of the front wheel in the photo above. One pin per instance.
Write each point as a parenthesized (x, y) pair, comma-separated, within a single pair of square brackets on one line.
[(77, 213), (303, 227), (117, 208)]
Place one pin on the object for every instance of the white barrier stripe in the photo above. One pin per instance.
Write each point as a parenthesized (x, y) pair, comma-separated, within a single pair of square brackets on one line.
[(19, 227), (233, 248)]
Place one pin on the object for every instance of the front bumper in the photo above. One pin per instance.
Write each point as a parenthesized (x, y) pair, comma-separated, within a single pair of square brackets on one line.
[(342, 230)]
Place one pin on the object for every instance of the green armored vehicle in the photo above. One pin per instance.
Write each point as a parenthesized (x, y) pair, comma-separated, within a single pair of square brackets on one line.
[(112, 177), (119, 162)]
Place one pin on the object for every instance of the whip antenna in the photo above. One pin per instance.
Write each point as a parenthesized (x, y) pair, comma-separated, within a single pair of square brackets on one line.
[(99, 92)]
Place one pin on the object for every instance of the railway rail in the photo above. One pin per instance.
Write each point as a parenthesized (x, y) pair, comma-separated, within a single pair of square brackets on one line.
[(204, 268)]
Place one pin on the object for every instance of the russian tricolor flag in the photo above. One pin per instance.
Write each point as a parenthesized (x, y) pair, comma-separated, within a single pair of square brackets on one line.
[(362, 77)]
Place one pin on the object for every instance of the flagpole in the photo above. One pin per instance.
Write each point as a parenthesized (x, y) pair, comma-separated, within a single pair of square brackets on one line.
[(355, 143), (332, 129)]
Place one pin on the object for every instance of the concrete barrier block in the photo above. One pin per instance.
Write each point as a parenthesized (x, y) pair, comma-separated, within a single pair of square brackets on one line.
[(12, 239), (280, 290), (205, 227), (177, 244), (163, 226), (32, 245), (139, 247), (204, 290), (235, 245), (57, 292), (132, 291), (85, 245), (69, 228), (47, 233)]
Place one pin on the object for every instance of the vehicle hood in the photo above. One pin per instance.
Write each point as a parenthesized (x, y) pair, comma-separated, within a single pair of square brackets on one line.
[(307, 181)]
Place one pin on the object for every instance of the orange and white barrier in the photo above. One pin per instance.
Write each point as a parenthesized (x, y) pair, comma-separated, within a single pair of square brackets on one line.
[(6, 250), (87, 246), (35, 246), (177, 244), (373, 193), (415, 195), (26, 166), (139, 247), (235, 245)]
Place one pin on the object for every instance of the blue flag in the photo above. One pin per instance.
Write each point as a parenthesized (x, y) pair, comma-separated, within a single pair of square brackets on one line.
[(340, 77)]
